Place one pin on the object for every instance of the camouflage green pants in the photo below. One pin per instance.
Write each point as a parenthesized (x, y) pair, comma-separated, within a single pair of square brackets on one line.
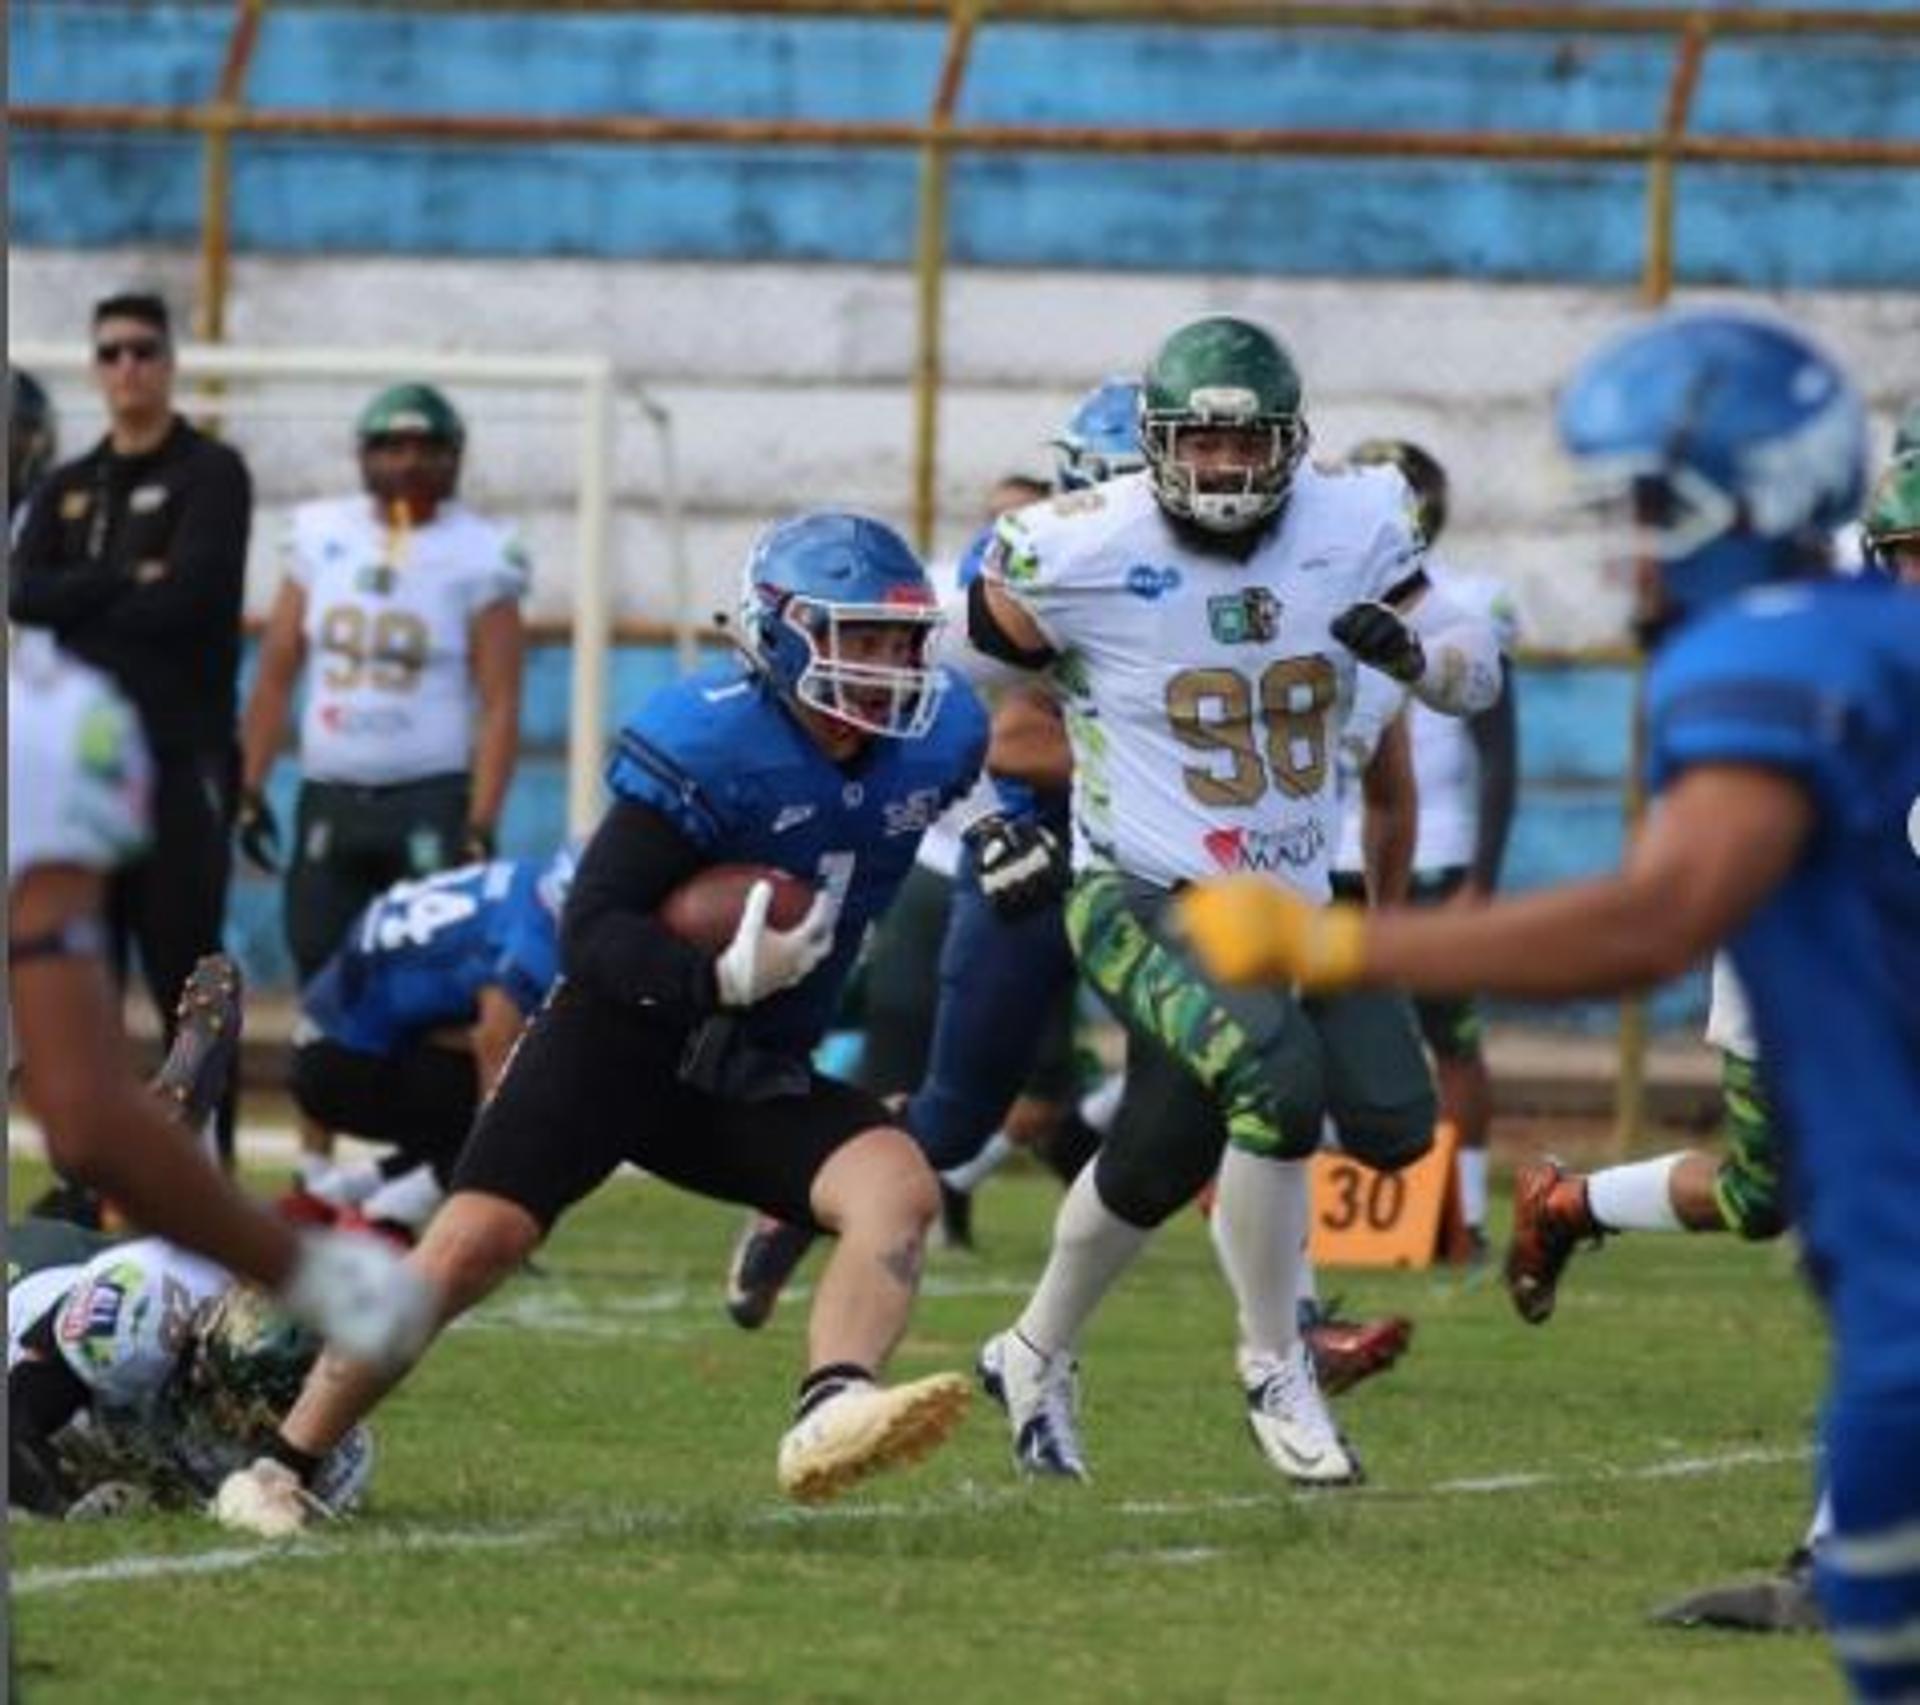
[(1747, 1186), (1208, 1065)]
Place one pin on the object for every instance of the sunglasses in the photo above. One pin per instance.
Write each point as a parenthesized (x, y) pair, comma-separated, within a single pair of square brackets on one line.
[(129, 348)]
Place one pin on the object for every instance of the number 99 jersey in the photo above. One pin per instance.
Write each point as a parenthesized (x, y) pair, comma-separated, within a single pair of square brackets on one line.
[(417, 958), (1204, 691), (388, 620)]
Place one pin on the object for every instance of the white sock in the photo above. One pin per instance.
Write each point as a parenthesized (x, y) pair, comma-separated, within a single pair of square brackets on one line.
[(1637, 1197), (1470, 1165), (1092, 1246), (1099, 1105), (970, 1175), (409, 1200), (1259, 1228), (346, 1186), (1821, 1527)]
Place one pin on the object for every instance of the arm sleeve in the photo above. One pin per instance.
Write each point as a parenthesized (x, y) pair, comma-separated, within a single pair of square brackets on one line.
[(1495, 732), (206, 559), (610, 942), (1462, 675)]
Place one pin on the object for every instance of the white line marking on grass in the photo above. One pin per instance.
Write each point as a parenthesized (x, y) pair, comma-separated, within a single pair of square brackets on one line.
[(970, 1497)]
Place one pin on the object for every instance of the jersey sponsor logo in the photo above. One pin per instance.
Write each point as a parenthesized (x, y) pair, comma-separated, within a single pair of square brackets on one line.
[(74, 504), (91, 1316), (791, 817), (1296, 847), (1251, 617), (852, 795), (376, 578), (357, 722), (145, 499), (1146, 581), (912, 815)]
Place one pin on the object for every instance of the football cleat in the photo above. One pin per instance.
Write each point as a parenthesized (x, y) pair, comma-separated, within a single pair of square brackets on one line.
[(1289, 1420), (198, 1070), (763, 1261), (1550, 1219), (956, 1217), (862, 1429), (1038, 1395), (1782, 1603), (1345, 1352)]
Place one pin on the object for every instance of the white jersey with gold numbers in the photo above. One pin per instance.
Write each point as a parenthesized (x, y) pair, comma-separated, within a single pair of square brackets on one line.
[(79, 780), (1204, 693), (388, 628)]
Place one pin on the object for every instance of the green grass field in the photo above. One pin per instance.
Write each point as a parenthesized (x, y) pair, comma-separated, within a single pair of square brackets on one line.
[(575, 1501)]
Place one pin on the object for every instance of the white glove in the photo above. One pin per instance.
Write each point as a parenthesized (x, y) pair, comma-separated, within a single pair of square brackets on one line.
[(761, 961), (359, 1295), (266, 1498)]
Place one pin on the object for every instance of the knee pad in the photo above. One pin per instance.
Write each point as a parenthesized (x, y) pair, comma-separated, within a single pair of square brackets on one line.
[(1146, 1193), (1389, 1138)]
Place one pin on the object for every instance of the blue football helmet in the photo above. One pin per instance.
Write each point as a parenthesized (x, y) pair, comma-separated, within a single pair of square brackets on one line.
[(837, 613), (1730, 443), (1101, 440)]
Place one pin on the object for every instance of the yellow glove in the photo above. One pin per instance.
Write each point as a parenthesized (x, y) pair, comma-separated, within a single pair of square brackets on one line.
[(1246, 929)]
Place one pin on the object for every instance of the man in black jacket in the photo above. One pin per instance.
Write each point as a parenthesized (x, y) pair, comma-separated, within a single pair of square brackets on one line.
[(135, 556)]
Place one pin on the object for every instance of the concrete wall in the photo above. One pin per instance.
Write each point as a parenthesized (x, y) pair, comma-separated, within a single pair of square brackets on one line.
[(790, 386)]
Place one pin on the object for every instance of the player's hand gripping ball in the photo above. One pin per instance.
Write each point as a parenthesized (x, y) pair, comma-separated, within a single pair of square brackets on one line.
[(766, 929)]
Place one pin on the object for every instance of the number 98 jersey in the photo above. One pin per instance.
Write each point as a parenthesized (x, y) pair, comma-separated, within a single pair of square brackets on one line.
[(1204, 691), (388, 623), (417, 958)]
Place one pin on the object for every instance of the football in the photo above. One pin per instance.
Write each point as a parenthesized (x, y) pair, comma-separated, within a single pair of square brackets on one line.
[(705, 909)]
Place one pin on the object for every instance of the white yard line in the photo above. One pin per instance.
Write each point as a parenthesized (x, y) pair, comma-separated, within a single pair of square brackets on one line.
[(322, 1546)]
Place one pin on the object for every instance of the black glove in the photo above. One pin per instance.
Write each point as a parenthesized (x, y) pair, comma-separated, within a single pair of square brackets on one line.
[(1378, 637), (258, 831), (1019, 862), (476, 844)]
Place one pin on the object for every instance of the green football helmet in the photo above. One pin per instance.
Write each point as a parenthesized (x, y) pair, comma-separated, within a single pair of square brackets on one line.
[(1893, 511), (413, 410), (411, 439), (1214, 374), (1426, 480), (243, 1366), (1906, 436)]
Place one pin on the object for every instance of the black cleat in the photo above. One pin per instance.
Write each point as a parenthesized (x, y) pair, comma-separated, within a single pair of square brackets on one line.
[(763, 1261), (198, 1070), (1781, 1603)]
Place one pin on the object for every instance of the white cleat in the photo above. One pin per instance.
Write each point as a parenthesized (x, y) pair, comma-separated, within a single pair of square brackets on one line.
[(866, 1428), (266, 1499), (1291, 1423), (1038, 1394)]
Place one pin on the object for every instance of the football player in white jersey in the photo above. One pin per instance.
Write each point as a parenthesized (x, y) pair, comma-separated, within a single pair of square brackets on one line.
[(141, 1375), (77, 781), (1468, 774), (407, 605), (1205, 621)]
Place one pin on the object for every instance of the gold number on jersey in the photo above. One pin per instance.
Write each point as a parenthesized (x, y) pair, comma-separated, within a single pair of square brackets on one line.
[(387, 652), (1212, 710)]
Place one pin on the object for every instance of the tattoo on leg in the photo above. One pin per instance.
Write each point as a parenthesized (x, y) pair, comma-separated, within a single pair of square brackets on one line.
[(904, 1262)]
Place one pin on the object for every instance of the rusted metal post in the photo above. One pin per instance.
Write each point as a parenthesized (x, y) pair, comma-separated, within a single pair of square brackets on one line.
[(929, 265), (216, 172)]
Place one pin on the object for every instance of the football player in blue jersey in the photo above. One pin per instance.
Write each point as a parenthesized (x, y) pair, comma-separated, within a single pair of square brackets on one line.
[(1782, 707), (826, 751), (1006, 981), (405, 1029)]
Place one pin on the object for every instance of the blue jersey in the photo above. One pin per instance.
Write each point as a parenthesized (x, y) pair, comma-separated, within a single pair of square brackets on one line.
[(1822, 682), (722, 758), (418, 957)]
